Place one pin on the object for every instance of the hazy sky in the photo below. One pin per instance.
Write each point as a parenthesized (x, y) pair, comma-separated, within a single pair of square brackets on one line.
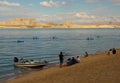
[(79, 11)]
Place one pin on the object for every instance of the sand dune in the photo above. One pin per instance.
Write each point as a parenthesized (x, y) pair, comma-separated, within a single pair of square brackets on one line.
[(98, 68)]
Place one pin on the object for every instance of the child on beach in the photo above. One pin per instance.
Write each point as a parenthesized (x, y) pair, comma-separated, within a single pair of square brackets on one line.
[(86, 54)]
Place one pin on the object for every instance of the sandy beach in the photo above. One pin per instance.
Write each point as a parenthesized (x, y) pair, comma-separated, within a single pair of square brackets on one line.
[(98, 68)]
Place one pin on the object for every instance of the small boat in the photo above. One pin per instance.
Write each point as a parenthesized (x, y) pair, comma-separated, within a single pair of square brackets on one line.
[(20, 41), (30, 64), (27, 63)]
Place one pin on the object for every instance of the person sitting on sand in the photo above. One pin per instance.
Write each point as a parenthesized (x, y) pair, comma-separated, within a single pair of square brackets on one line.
[(69, 62), (78, 59), (109, 51), (74, 60), (86, 54), (113, 51)]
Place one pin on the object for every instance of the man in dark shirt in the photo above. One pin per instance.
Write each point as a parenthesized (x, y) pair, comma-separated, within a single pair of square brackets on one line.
[(15, 59), (113, 51), (61, 58)]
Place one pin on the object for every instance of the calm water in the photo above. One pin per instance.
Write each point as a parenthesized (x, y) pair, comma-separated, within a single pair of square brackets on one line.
[(71, 41)]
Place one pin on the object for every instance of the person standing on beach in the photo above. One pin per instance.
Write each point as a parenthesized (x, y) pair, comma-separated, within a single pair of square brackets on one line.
[(61, 58)]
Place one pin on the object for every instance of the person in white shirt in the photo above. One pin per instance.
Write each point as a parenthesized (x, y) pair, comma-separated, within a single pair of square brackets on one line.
[(78, 59)]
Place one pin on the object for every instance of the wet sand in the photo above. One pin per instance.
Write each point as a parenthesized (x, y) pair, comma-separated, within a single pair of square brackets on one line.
[(98, 68)]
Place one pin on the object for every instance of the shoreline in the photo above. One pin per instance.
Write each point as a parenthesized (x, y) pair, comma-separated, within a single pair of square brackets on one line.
[(32, 22), (60, 28), (28, 71), (63, 26), (99, 64)]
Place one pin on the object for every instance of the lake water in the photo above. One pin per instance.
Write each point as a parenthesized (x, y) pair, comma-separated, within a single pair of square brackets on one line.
[(22, 44)]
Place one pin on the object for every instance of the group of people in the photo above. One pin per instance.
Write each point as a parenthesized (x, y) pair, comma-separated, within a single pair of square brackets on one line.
[(16, 60), (70, 61), (73, 60), (112, 51)]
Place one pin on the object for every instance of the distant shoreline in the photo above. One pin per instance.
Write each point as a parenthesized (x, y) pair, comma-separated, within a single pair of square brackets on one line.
[(31, 23), (62, 26)]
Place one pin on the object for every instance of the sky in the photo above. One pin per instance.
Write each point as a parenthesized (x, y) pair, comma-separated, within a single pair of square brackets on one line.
[(58, 11)]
